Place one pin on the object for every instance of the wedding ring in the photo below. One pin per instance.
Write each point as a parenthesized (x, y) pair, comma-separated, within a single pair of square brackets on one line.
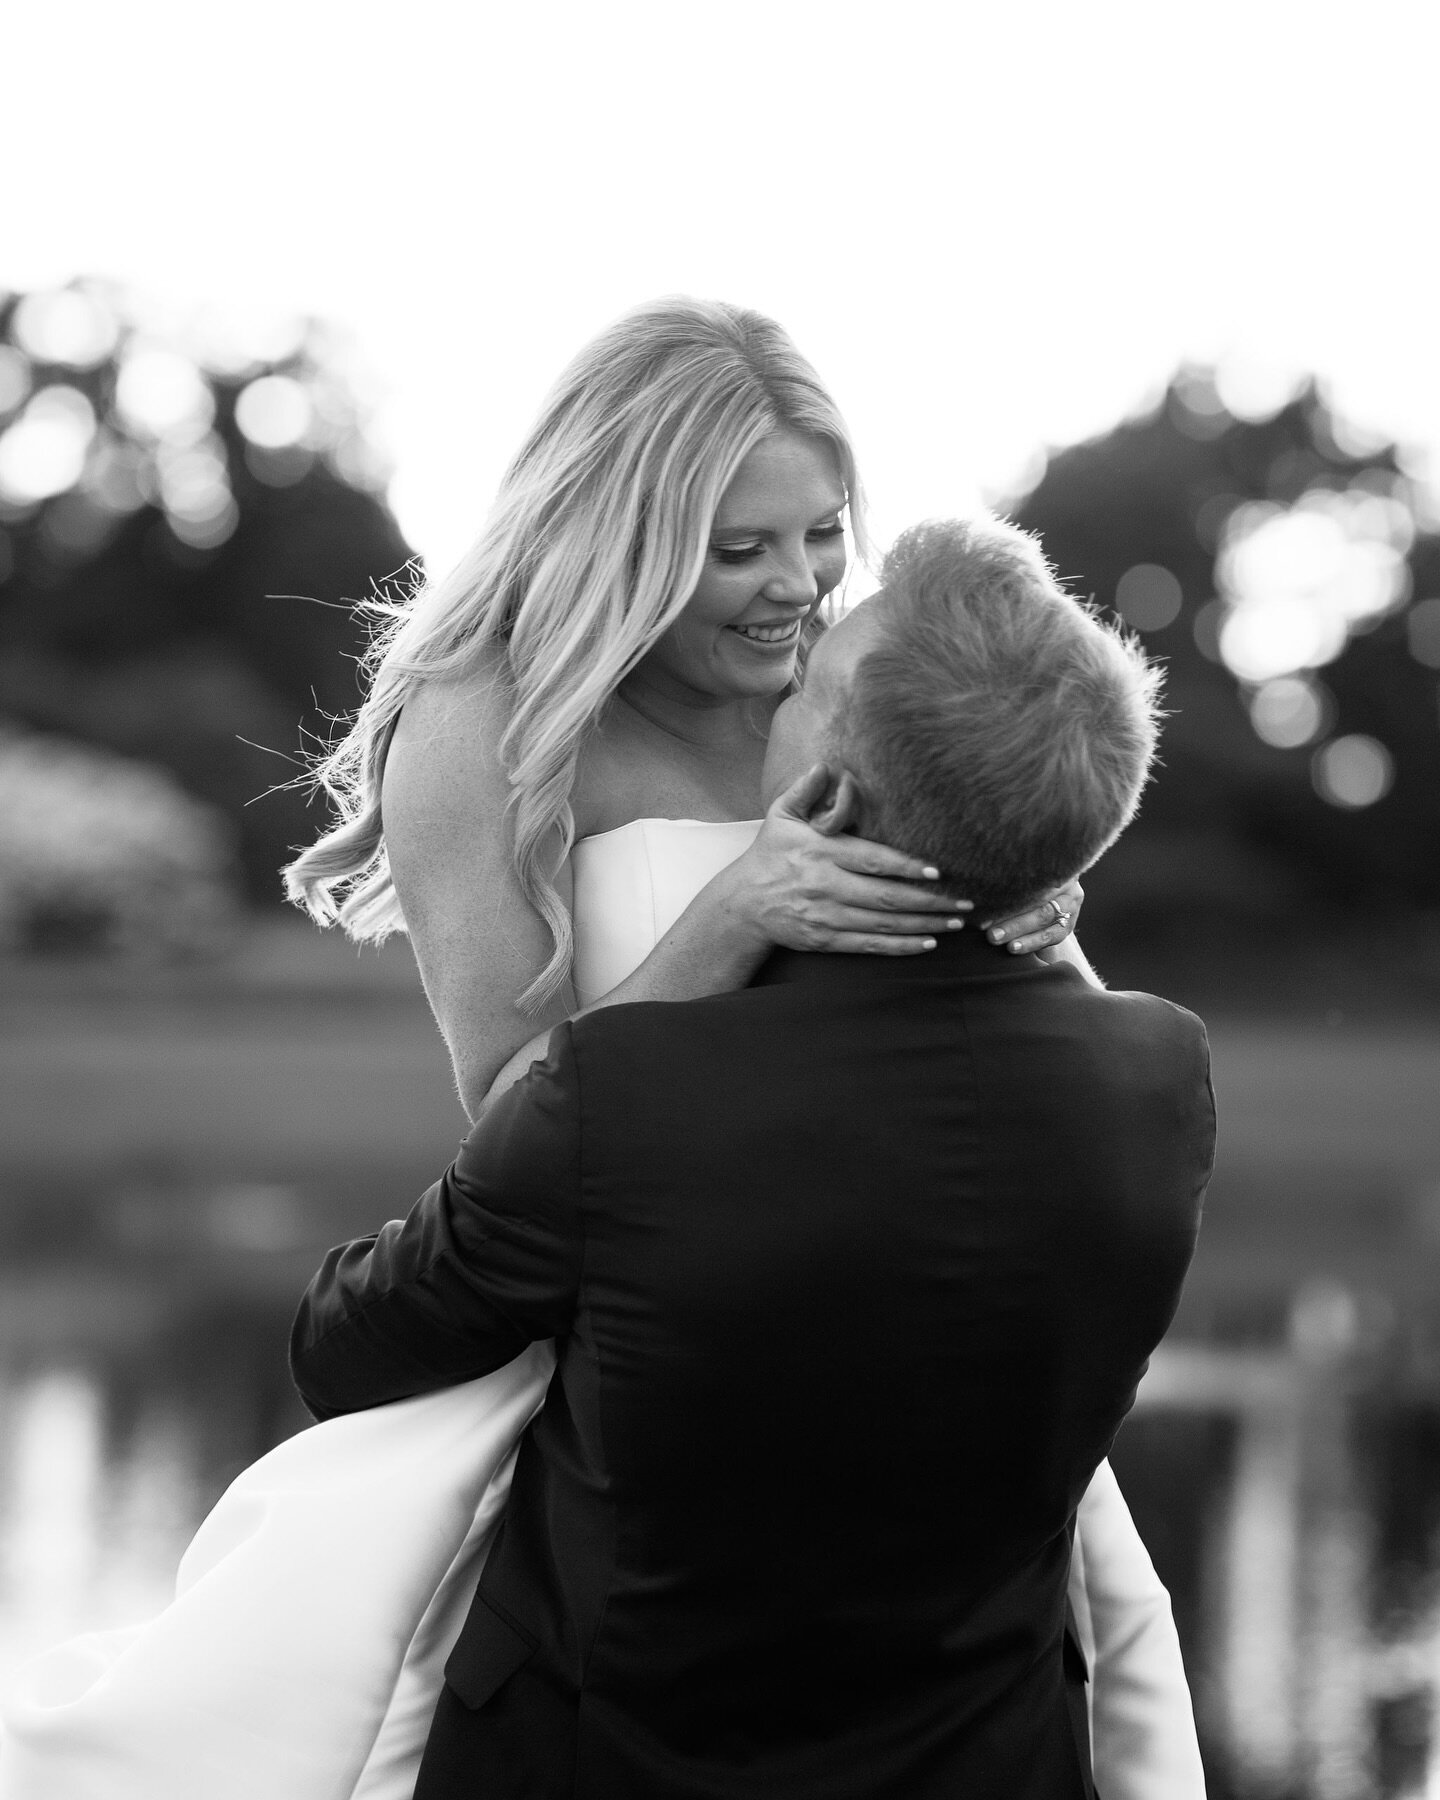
[(1060, 918)]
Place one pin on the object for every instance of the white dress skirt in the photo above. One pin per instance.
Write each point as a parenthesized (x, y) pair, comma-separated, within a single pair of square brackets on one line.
[(314, 1610)]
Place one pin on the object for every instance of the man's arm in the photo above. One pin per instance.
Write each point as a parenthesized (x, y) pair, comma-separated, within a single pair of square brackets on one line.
[(486, 1262)]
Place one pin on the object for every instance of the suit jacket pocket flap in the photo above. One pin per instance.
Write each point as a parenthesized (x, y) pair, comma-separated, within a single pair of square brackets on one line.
[(488, 1652)]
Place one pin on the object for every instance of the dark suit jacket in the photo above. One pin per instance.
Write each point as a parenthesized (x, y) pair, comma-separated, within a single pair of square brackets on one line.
[(854, 1274)]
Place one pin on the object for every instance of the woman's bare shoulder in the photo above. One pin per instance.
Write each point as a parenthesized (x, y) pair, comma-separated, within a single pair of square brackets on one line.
[(450, 728), (444, 790)]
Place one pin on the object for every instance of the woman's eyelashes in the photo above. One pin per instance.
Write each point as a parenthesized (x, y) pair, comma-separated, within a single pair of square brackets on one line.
[(743, 553)]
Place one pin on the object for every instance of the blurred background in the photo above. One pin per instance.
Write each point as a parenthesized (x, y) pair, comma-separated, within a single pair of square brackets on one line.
[(279, 290)]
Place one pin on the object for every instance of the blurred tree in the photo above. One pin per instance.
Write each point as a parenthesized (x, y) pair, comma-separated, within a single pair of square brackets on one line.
[(188, 510), (1278, 568), (106, 854)]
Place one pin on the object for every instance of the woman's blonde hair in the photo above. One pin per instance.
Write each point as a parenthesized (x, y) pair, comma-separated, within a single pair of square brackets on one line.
[(596, 541)]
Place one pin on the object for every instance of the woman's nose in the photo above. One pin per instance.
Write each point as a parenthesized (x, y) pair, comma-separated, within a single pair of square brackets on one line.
[(796, 583)]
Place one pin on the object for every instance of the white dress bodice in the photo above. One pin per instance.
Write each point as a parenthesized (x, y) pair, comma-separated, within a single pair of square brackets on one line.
[(633, 883)]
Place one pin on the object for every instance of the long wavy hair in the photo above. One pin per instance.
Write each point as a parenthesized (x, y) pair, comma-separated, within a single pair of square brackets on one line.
[(596, 541)]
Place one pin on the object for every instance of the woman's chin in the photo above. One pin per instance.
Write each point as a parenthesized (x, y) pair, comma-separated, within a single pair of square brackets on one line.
[(756, 670)]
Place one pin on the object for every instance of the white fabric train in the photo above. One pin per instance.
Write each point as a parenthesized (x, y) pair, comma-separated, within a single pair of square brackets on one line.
[(314, 1610)]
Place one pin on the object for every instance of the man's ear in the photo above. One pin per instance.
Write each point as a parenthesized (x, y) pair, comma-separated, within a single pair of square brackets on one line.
[(839, 810)]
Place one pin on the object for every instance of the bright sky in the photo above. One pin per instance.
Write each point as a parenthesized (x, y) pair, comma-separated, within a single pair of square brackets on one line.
[(991, 228)]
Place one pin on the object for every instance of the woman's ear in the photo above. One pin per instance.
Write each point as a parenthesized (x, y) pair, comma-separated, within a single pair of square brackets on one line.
[(839, 810)]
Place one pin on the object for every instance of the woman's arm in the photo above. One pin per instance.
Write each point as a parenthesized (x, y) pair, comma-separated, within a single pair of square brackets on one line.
[(479, 942), (477, 939), (1142, 1725)]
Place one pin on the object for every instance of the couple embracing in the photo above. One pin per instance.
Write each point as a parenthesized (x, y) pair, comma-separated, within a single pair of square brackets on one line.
[(852, 1230)]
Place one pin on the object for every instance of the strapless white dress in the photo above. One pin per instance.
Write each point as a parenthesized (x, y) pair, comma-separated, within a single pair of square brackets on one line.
[(316, 1606)]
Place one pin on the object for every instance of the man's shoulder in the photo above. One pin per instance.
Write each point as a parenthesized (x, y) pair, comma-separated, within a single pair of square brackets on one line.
[(1157, 1013), (1130, 1010), (1092, 1049)]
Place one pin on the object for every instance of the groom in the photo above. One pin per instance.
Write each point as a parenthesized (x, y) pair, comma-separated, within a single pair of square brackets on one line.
[(853, 1274)]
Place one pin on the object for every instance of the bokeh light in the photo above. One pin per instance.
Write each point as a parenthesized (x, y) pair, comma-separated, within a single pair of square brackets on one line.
[(234, 341), (1148, 597), (1201, 412), (360, 463), (43, 452), (1290, 711), (119, 475), (195, 489), (14, 378), (1205, 627), (1255, 386), (1422, 627), (279, 468), (274, 412), (161, 394), (1297, 581), (67, 326), (1353, 771), (1285, 632)]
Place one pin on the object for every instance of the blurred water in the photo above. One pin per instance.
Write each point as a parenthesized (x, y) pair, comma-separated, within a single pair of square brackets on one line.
[(118, 1434)]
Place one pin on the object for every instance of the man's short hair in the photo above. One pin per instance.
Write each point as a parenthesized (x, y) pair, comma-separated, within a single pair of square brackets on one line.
[(1000, 729)]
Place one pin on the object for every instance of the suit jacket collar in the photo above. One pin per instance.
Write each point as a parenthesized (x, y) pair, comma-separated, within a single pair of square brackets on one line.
[(959, 955)]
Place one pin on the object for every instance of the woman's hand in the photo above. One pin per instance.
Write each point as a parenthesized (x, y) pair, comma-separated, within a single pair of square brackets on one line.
[(807, 884), (1039, 927)]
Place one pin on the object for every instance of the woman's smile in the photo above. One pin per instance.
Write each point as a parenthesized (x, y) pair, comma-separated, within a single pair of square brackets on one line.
[(785, 634)]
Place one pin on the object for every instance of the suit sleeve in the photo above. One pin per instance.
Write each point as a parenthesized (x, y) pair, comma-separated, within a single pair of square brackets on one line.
[(1142, 1725), (487, 1261)]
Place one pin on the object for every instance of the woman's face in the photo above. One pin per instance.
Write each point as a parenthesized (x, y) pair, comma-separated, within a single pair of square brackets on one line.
[(777, 548)]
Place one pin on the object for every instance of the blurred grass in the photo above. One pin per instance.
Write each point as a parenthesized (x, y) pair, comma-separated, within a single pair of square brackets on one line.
[(298, 1092), (296, 1060)]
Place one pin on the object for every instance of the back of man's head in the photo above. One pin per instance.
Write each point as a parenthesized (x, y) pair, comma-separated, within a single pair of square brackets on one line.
[(999, 728)]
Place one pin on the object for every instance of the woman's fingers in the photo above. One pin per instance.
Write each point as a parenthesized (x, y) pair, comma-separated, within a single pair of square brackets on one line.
[(888, 905), (817, 887), (859, 943), (1052, 920), (876, 863), (853, 905)]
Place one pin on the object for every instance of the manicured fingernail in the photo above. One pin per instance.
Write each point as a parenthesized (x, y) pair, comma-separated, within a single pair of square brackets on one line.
[(954, 924), (1017, 948), (964, 906), (930, 874), (997, 936), (930, 943)]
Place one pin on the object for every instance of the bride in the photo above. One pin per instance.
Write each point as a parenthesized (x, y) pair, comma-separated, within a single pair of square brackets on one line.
[(552, 786)]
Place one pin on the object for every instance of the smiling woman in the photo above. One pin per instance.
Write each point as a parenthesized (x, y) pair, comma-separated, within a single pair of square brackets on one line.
[(612, 649)]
